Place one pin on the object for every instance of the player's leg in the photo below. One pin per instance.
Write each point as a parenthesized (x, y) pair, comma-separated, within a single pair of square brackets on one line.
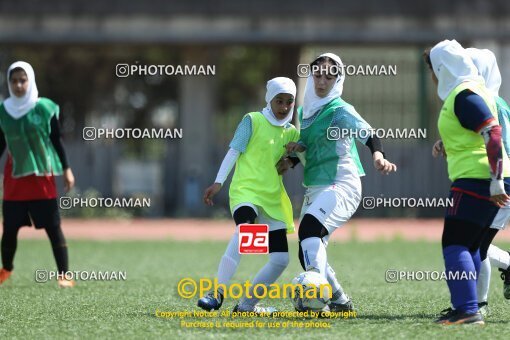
[(466, 224), (339, 297), (15, 215), (347, 202), (498, 257), (340, 301), (45, 214), (9, 244), (458, 237), (483, 277), (278, 261), (60, 253), (336, 206), (310, 235), (230, 259), (318, 204), (501, 259)]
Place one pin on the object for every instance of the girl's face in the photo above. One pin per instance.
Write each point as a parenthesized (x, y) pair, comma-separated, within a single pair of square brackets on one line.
[(324, 78), (281, 105), (19, 83)]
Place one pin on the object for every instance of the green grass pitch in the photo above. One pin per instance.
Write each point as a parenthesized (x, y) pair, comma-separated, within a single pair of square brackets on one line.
[(111, 309)]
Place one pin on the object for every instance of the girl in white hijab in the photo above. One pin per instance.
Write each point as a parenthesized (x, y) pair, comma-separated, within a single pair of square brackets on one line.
[(256, 192), (276, 86), (476, 165), (313, 102), (332, 168), (18, 106), (29, 129), (452, 66), (485, 62)]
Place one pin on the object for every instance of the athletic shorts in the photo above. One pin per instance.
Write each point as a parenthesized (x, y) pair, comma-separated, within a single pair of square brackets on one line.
[(262, 217), (466, 207), (41, 213), (332, 205), (471, 203)]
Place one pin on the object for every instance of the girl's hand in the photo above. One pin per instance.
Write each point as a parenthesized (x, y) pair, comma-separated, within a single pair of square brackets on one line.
[(383, 165), (438, 149), (210, 192), (68, 179), (500, 200), (498, 194), (294, 147), (283, 165)]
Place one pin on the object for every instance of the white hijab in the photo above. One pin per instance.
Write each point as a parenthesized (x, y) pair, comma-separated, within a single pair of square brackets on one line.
[(312, 102), (452, 66), (485, 62), (17, 107), (274, 87)]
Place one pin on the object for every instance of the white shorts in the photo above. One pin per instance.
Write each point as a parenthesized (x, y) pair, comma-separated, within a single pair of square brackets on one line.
[(332, 205), (502, 218), (262, 217)]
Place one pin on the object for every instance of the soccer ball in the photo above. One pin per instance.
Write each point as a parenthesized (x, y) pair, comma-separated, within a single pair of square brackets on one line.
[(315, 293)]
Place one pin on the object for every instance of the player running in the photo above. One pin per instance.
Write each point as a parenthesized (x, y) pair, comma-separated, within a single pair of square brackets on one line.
[(29, 126), (471, 136), (486, 64), (257, 193), (332, 168)]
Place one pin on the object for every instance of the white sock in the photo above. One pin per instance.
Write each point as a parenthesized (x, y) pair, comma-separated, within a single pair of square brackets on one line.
[(483, 280), (338, 293), (267, 275), (499, 258), (314, 254), (229, 261)]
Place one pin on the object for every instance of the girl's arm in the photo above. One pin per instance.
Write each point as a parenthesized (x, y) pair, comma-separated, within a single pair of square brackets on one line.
[(225, 168), (2, 142), (474, 114), (348, 118), (59, 148)]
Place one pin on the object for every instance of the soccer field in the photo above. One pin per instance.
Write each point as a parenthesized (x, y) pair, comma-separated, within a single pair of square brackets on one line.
[(99, 309)]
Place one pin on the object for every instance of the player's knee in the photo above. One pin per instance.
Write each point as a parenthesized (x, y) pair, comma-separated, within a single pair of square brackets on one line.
[(56, 236), (280, 259), (245, 214), (310, 226), (278, 241), (9, 232)]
